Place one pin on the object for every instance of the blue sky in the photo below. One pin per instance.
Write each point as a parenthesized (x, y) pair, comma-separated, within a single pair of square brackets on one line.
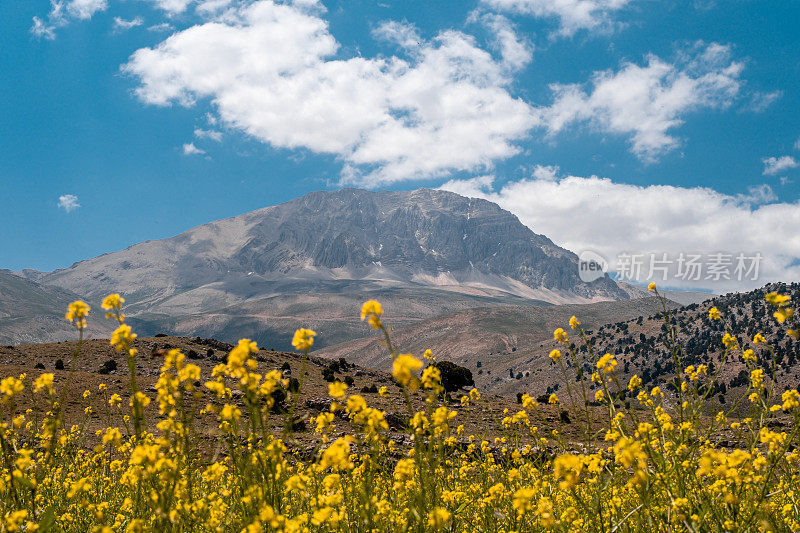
[(605, 124)]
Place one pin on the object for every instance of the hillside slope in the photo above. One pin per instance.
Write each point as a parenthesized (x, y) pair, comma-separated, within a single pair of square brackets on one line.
[(30, 312), (495, 343)]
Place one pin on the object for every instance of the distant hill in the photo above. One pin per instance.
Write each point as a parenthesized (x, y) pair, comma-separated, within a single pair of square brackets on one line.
[(681, 297), (313, 261), (641, 349), (30, 312)]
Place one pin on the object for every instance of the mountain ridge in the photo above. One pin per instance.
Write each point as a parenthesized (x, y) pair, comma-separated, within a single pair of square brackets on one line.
[(428, 251)]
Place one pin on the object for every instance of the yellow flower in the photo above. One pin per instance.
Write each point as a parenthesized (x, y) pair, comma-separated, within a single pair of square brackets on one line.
[(749, 356), (303, 339), (553, 399), (10, 387), (438, 518), (652, 286), (404, 370), (230, 413), (77, 312), (337, 389), (337, 455), (372, 311), (607, 363), (45, 381), (757, 378), (776, 299), (635, 383), (729, 341), (113, 302), (567, 469), (122, 338), (599, 396), (523, 500), (759, 339), (783, 314), (555, 355), (560, 336), (574, 323), (713, 313)]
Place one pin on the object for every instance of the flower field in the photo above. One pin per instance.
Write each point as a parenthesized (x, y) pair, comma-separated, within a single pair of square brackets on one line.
[(664, 460)]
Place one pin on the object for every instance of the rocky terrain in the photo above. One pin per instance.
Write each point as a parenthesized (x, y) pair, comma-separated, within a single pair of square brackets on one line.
[(97, 363), (503, 346)]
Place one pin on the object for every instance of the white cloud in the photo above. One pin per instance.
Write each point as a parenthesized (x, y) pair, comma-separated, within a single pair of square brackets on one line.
[(162, 27), (515, 51), (62, 12), (776, 165), (271, 71), (611, 218), (172, 7), (85, 9), (646, 102), (191, 149), (760, 101), (399, 33), (42, 29), (122, 24), (573, 15), (68, 202), (214, 135)]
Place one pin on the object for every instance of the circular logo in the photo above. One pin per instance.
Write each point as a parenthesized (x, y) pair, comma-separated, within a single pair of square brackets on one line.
[(591, 266)]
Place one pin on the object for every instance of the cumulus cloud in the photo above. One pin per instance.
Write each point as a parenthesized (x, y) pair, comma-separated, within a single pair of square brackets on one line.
[(68, 202), (611, 218), (121, 24), (647, 102), (271, 71), (572, 15), (191, 149), (776, 165)]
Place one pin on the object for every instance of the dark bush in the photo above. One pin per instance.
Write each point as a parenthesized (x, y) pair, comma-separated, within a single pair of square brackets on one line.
[(348, 380), (373, 389), (192, 354), (40, 366), (454, 377), (160, 335), (59, 364), (108, 367)]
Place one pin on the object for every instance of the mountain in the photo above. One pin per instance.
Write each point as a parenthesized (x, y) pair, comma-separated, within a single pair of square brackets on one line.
[(312, 261), (30, 312), (502, 346)]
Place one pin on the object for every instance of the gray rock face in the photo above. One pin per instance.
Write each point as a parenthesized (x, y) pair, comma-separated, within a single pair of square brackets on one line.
[(288, 261)]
